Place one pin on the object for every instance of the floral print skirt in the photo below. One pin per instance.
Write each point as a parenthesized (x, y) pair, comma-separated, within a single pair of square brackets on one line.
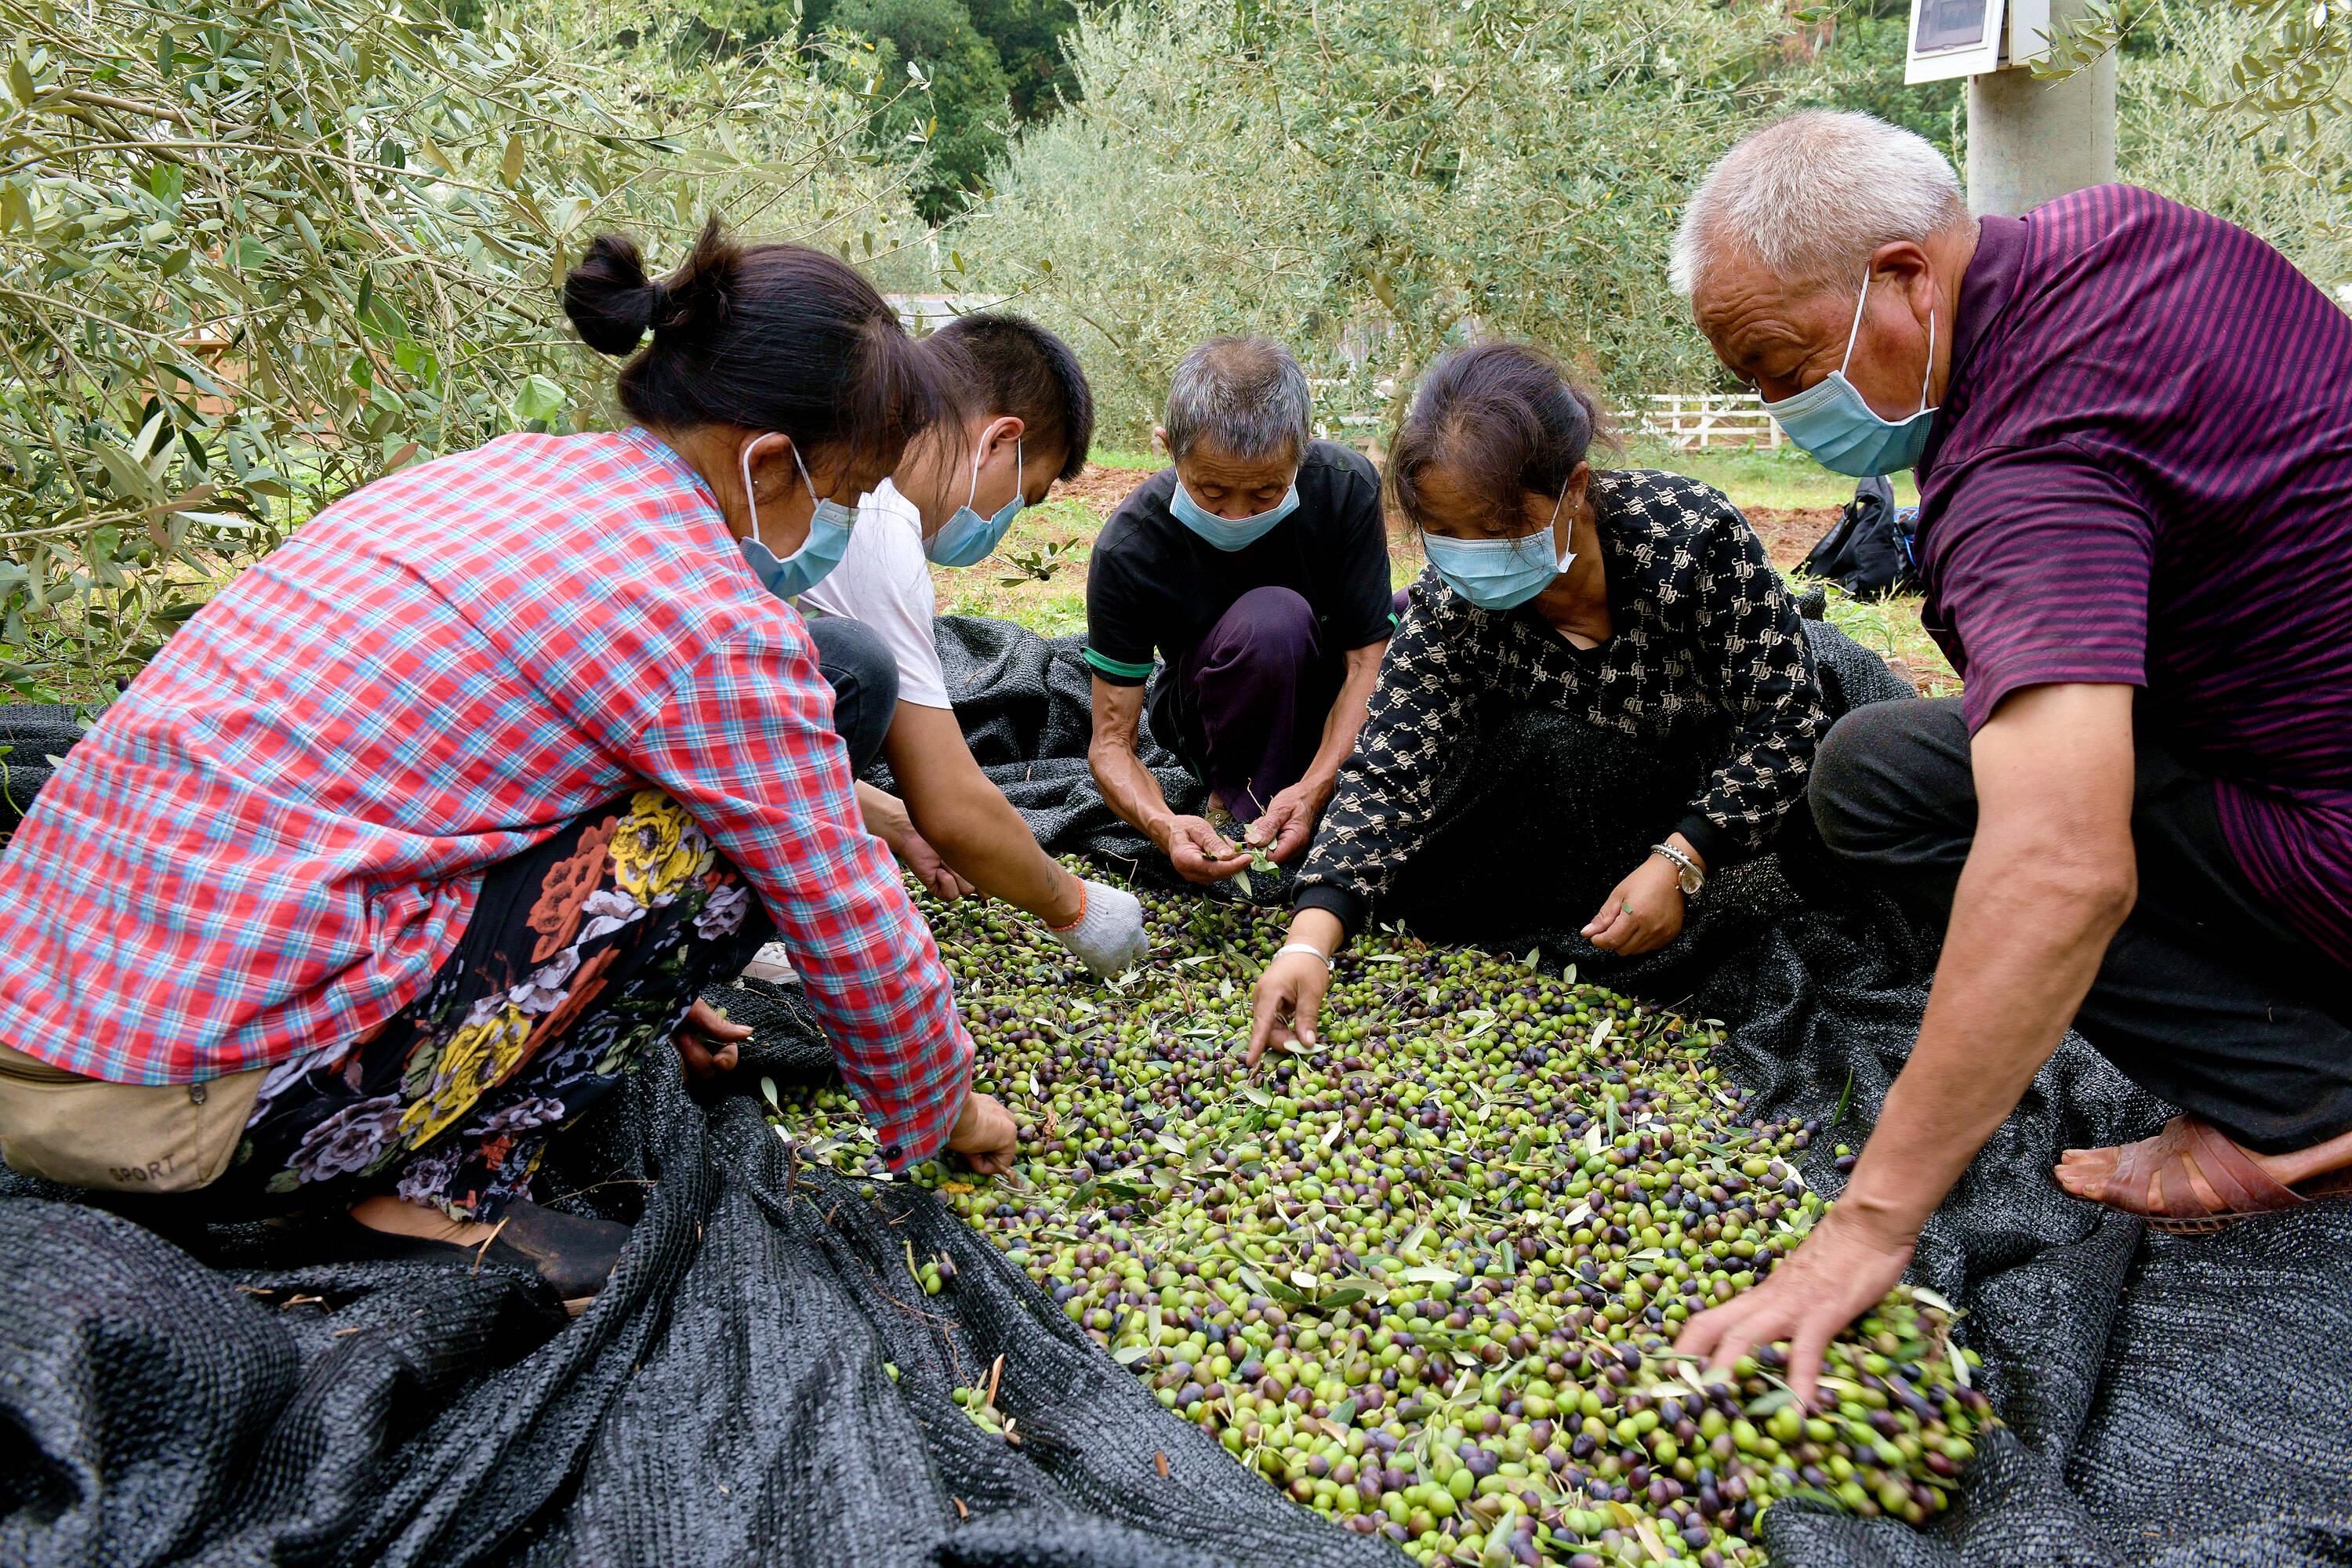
[(583, 954)]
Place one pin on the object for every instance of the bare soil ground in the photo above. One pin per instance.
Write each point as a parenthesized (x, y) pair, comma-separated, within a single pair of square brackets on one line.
[(1101, 488)]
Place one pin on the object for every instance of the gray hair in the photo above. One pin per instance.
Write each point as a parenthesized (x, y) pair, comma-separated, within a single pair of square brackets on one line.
[(1810, 196), (1246, 395)]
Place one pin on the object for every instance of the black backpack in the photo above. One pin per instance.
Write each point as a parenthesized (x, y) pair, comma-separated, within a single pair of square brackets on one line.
[(1871, 550)]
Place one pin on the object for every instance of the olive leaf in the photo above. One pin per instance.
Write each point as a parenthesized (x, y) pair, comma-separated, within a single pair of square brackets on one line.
[(1926, 1297)]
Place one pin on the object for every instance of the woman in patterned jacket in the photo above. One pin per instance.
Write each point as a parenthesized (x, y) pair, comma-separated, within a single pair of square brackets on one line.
[(1638, 602)]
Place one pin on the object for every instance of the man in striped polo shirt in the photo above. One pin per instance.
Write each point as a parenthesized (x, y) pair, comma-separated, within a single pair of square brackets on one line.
[(2132, 425)]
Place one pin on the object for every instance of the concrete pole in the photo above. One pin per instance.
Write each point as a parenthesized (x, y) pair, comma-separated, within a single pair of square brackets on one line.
[(2031, 140)]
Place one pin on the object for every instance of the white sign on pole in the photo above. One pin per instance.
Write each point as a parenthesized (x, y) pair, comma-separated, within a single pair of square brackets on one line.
[(1974, 37)]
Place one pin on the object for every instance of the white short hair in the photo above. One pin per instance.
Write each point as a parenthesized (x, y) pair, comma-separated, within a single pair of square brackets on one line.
[(1812, 195)]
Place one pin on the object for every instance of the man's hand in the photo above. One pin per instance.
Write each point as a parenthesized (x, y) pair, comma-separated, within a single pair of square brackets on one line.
[(1642, 913), (886, 818), (1289, 821), (706, 1041), (1200, 852), (929, 869), (984, 1135), (1836, 1274)]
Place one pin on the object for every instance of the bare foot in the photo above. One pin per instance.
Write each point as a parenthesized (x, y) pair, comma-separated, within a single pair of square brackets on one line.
[(395, 1217), (2134, 1185), (2193, 1168)]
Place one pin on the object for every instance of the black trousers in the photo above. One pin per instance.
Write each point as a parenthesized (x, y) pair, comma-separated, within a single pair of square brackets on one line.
[(2207, 997), (857, 664)]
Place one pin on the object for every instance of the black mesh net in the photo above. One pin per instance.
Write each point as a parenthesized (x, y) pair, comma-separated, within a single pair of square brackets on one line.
[(174, 1396), (170, 1394), (30, 734)]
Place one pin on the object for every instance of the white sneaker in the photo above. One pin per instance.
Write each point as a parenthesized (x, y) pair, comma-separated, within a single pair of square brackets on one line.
[(770, 964)]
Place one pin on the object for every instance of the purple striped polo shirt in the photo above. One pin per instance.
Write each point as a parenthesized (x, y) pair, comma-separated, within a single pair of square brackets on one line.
[(2142, 476)]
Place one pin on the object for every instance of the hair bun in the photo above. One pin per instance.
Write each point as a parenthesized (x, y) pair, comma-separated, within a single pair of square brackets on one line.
[(611, 302)]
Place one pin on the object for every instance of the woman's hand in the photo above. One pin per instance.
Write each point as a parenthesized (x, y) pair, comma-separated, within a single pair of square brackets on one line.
[(984, 1135), (1287, 1003), (706, 1041), (1643, 913)]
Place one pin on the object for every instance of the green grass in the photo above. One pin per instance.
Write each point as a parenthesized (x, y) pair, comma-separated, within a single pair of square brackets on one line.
[(1891, 629), (1126, 457), (1053, 606), (1758, 476)]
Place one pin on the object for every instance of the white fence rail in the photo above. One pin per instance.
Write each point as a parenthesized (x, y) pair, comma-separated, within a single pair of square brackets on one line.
[(1706, 419)]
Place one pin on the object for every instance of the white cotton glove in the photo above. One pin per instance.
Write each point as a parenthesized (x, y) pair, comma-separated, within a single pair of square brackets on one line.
[(1107, 936)]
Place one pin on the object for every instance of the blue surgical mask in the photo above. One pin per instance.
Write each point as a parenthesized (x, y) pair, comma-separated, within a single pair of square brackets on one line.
[(1499, 574), (1831, 420), (968, 537), (1229, 533), (828, 538)]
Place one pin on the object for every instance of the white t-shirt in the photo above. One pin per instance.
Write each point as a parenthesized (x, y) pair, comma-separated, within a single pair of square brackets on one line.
[(884, 581)]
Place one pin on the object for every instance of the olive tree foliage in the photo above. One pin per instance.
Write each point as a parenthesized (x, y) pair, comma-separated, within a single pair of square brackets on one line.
[(1370, 181), (255, 253), (2243, 108), (2175, 134), (2289, 61)]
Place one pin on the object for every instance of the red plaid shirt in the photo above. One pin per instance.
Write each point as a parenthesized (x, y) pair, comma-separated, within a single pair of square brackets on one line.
[(276, 835)]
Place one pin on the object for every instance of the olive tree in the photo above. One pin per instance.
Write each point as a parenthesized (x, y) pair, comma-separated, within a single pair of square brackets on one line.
[(254, 253), (2239, 110), (1369, 180)]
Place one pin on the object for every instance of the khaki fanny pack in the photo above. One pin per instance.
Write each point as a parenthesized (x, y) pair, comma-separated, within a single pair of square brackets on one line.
[(120, 1137)]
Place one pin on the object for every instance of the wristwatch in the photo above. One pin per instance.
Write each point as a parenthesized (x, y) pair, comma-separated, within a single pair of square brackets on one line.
[(1687, 875)]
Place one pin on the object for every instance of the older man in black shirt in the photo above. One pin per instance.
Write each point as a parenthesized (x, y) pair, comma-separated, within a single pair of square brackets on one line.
[(1256, 567)]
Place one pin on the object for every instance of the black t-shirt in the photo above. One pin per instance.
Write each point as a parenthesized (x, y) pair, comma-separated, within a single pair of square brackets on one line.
[(1154, 585)]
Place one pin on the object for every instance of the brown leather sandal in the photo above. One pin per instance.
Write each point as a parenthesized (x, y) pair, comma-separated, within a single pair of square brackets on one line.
[(2158, 1171)]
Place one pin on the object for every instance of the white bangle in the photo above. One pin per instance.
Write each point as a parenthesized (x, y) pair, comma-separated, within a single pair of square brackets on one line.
[(1687, 875), (1305, 948)]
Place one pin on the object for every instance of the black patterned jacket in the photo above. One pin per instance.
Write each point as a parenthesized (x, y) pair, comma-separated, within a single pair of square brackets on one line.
[(1706, 632)]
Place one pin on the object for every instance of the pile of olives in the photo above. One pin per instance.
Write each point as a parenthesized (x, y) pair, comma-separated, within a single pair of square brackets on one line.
[(1427, 1276)]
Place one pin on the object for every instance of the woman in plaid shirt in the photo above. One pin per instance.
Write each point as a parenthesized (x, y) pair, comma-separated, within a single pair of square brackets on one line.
[(432, 822)]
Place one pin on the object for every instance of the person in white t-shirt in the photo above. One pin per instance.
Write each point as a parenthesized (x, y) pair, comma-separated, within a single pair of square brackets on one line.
[(1029, 420)]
